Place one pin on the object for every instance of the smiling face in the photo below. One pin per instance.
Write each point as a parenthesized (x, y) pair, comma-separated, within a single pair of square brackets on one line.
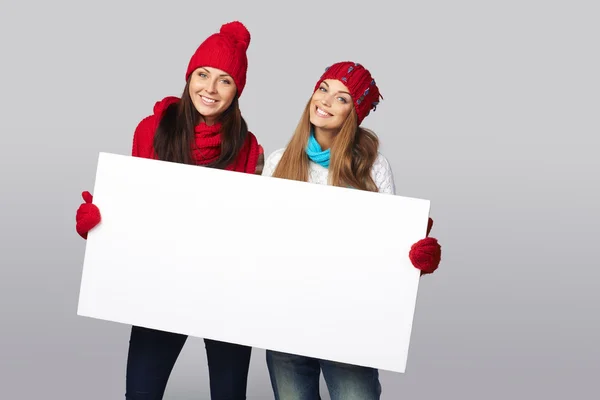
[(212, 91), (330, 105)]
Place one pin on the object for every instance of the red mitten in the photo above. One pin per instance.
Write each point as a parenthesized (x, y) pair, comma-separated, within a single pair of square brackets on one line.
[(426, 253), (88, 215)]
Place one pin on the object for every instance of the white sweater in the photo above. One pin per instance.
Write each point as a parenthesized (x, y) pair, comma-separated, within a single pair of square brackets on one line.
[(381, 172)]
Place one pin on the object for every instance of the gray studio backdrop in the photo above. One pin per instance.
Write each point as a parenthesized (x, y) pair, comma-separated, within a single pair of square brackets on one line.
[(490, 111)]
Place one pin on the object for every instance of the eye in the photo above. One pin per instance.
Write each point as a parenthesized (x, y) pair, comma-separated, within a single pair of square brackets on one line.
[(226, 81), (322, 88), (202, 75), (342, 100)]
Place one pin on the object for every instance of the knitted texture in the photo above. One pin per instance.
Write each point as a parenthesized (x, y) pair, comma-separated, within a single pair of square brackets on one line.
[(426, 254), (316, 153), (225, 50), (207, 143), (381, 172), (87, 216), (365, 93), (206, 147)]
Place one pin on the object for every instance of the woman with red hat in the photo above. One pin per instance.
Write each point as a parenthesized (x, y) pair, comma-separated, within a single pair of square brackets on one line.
[(330, 147), (203, 127)]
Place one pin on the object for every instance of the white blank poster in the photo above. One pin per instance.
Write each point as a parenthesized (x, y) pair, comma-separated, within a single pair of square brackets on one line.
[(271, 263)]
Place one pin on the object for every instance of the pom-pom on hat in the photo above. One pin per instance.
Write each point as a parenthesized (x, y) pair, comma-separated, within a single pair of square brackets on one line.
[(225, 50), (365, 93)]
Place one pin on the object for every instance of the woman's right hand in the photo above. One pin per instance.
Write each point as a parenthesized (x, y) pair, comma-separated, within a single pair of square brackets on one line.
[(88, 215)]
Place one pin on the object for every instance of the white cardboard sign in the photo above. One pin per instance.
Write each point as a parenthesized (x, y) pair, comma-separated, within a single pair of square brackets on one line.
[(276, 264)]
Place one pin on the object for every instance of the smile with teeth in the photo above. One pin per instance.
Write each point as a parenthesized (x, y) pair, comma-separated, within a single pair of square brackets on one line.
[(208, 100), (322, 113)]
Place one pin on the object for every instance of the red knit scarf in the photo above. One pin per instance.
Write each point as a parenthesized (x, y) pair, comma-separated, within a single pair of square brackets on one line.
[(207, 149)]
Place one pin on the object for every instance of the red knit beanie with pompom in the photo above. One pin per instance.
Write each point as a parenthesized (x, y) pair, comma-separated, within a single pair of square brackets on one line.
[(226, 51)]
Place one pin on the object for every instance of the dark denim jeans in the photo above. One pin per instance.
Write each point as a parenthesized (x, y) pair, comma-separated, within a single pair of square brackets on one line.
[(152, 355), (296, 377)]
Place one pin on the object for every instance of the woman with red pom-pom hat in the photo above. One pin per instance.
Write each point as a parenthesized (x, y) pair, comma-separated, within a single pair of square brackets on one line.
[(329, 146), (203, 127)]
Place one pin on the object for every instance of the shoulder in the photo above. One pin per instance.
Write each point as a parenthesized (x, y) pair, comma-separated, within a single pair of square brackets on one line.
[(147, 124), (158, 110), (381, 163), (257, 152), (143, 135), (275, 156), (382, 174), (271, 162), (260, 162)]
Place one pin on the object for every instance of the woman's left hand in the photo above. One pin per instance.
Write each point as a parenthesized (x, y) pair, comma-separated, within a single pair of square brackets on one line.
[(426, 254)]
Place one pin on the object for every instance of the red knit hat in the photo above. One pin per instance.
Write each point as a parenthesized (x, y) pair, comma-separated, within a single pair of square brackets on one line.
[(358, 80), (225, 50)]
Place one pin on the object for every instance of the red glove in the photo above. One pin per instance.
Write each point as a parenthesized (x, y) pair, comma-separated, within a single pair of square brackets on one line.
[(88, 215), (426, 253)]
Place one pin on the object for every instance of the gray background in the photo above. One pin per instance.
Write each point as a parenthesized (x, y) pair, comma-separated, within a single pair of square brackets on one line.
[(490, 111)]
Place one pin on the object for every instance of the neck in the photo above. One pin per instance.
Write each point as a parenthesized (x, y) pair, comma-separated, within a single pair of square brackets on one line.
[(324, 137), (209, 121)]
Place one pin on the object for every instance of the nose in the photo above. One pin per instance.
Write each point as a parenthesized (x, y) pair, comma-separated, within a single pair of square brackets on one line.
[(212, 87), (325, 101)]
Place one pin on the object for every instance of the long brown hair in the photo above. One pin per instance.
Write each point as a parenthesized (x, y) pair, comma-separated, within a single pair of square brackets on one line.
[(174, 137), (353, 152)]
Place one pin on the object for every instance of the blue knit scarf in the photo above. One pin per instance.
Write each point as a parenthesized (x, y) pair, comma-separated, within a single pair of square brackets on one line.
[(315, 153)]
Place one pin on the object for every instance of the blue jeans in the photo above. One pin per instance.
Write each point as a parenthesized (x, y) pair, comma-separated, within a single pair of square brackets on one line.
[(296, 377), (152, 356)]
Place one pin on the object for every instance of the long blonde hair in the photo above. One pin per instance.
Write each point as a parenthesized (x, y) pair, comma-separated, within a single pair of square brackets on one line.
[(353, 152)]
